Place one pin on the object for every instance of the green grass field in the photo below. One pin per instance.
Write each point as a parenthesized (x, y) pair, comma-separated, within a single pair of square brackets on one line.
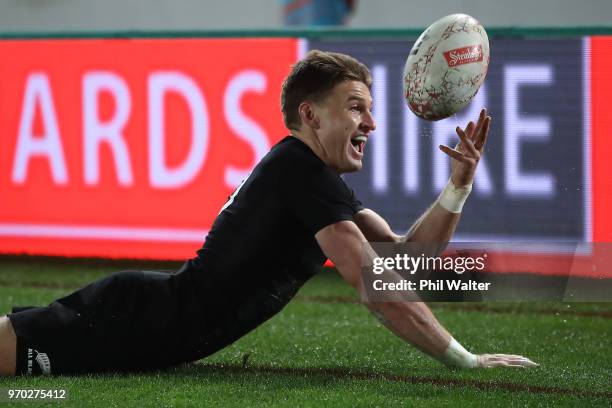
[(325, 349)]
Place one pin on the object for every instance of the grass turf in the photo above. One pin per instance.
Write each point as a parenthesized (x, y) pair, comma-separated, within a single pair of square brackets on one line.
[(325, 349)]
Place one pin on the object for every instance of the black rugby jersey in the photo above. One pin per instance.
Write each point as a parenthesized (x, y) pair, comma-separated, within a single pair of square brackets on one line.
[(261, 248)]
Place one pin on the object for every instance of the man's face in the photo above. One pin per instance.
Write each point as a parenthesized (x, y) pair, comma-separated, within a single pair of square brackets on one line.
[(345, 122)]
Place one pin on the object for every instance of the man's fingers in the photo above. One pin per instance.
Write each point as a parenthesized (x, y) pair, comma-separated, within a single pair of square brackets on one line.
[(469, 129), (525, 362), (484, 134), (467, 143), (481, 119), (510, 364), (508, 356), (498, 356), (505, 360), (455, 154), (519, 361)]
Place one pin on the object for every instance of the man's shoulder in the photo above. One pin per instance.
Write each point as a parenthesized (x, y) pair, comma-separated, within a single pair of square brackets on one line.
[(291, 147)]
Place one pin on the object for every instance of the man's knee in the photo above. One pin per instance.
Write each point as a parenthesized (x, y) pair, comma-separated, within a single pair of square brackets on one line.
[(8, 347)]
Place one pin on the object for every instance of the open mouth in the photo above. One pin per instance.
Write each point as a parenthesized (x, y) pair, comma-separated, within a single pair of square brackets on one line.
[(358, 142)]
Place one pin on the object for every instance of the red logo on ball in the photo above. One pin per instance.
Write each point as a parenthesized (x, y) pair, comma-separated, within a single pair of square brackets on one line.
[(465, 55)]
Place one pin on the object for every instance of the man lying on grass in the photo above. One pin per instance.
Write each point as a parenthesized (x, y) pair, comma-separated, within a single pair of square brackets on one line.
[(272, 235)]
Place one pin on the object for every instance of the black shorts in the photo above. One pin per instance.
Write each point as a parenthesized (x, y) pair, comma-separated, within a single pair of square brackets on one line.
[(130, 320)]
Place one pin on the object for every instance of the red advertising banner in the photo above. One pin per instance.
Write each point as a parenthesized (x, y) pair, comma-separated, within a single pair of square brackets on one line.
[(129, 148), (601, 131)]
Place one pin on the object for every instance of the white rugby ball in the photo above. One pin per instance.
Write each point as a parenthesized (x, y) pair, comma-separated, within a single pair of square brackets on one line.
[(446, 66)]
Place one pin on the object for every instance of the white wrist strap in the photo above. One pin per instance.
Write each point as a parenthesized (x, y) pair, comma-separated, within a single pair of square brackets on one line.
[(457, 356), (452, 198)]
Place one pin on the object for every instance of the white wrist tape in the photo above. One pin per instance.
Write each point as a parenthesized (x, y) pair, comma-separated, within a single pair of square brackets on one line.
[(452, 198), (457, 356)]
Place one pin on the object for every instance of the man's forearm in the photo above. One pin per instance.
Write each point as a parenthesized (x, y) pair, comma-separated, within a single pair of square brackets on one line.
[(405, 315), (413, 322), (409, 318), (438, 223)]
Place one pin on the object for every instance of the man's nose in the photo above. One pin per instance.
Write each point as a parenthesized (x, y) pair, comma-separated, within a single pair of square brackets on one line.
[(368, 123)]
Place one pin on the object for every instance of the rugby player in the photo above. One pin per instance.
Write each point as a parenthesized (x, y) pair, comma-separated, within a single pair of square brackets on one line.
[(273, 234)]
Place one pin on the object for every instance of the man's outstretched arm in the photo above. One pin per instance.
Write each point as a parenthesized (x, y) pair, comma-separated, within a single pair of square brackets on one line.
[(405, 316), (438, 223)]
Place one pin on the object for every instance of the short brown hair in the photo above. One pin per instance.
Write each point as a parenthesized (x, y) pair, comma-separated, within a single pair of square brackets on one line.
[(314, 76)]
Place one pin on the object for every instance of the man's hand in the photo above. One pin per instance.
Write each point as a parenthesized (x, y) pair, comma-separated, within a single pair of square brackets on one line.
[(503, 360), (466, 155)]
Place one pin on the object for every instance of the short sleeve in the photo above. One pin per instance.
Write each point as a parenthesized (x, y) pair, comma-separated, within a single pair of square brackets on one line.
[(357, 205), (318, 197)]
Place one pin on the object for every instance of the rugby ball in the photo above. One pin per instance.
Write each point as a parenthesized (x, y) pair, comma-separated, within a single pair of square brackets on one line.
[(446, 66)]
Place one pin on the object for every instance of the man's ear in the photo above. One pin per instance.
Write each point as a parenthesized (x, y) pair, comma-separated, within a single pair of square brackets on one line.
[(308, 115)]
